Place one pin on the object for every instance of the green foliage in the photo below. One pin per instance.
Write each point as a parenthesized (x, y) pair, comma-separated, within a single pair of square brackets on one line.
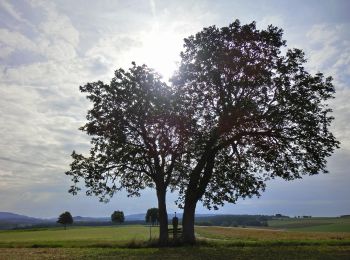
[(152, 216), (136, 136), (65, 219), (118, 217), (255, 113)]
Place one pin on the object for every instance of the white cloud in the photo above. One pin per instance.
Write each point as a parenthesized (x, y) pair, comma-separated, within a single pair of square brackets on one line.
[(5, 51), (12, 11), (153, 7), (328, 50), (111, 52), (58, 38), (327, 34), (341, 108), (41, 107), (59, 27), (55, 37), (41, 73), (15, 41)]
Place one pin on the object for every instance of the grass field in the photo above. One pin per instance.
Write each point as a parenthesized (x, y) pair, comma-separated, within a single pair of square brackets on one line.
[(76, 236), (129, 242), (251, 236), (197, 252), (313, 224)]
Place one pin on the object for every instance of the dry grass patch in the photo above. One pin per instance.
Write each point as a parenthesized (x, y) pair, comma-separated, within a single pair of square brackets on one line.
[(251, 234)]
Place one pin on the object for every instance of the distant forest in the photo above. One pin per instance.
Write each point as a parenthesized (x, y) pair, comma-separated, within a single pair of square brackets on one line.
[(200, 220), (234, 220)]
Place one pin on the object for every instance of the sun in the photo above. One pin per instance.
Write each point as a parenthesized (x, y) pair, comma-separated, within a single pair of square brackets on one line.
[(161, 51)]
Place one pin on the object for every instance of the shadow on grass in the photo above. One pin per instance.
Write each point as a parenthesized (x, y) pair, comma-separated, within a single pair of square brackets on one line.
[(207, 243), (139, 244)]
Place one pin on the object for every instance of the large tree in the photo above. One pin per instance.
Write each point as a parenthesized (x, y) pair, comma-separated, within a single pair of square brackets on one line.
[(255, 113), (137, 139)]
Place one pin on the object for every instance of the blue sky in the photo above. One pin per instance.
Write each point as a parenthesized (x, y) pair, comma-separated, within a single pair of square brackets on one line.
[(49, 48)]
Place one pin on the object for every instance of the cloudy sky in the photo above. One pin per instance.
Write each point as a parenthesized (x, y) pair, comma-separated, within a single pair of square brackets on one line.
[(49, 48)]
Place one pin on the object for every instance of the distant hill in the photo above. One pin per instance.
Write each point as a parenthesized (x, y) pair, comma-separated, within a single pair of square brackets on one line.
[(91, 219), (10, 220), (135, 217), (16, 218)]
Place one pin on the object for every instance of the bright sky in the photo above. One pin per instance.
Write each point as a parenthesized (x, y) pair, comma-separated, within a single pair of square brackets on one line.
[(49, 48)]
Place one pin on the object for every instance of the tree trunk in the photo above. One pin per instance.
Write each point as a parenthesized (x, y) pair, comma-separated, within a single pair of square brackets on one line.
[(188, 236), (163, 216), (195, 191)]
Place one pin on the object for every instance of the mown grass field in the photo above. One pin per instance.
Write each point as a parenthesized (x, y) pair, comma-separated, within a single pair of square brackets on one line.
[(313, 224), (109, 236), (197, 252), (130, 242)]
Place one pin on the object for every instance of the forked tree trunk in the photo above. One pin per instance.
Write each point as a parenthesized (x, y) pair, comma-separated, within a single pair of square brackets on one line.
[(163, 216), (195, 190), (188, 235)]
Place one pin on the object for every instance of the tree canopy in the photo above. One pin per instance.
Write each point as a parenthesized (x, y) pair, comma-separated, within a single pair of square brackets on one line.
[(65, 219), (136, 137), (152, 216), (118, 217), (255, 112)]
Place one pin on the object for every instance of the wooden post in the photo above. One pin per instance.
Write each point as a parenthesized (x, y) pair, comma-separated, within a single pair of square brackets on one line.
[(150, 231), (175, 225)]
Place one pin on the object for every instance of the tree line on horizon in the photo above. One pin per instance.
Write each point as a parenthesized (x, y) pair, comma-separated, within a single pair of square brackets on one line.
[(152, 217), (117, 217)]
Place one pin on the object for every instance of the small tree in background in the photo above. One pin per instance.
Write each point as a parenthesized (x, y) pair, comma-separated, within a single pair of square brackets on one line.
[(65, 219), (152, 216), (118, 217)]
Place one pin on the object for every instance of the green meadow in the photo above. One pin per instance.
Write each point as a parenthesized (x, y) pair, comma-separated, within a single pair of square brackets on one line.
[(312, 224), (284, 239), (109, 236)]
